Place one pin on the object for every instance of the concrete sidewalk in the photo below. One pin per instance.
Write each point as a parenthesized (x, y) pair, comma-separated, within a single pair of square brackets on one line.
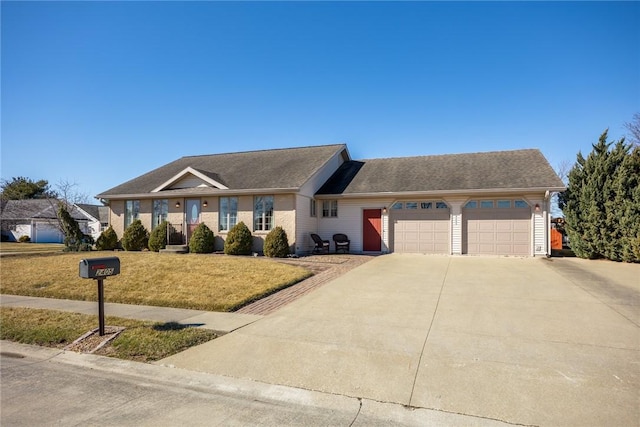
[(221, 323), (509, 339)]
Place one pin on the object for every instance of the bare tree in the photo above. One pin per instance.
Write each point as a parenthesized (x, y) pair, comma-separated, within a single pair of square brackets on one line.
[(562, 170), (634, 129), (67, 196)]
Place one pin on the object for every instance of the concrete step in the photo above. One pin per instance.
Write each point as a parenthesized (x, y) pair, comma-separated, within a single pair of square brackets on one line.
[(175, 249)]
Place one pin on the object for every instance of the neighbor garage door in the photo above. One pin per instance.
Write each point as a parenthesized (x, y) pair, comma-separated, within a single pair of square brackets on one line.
[(421, 230), (496, 231)]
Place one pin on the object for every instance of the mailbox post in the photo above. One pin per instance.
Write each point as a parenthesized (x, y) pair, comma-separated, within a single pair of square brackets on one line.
[(98, 269)]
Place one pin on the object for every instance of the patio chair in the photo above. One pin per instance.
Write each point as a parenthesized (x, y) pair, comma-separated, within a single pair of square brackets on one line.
[(342, 242), (321, 245)]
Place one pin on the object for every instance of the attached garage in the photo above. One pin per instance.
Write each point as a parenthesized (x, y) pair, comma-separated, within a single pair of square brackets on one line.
[(500, 227), (420, 227)]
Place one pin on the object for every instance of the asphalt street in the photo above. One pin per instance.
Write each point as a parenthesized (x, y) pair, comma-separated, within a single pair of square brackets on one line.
[(41, 386)]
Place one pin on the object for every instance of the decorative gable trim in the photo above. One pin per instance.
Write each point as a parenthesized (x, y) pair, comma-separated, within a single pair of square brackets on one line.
[(207, 180)]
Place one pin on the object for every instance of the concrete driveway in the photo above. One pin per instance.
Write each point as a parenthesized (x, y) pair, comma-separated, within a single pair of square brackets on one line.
[(520, 340)]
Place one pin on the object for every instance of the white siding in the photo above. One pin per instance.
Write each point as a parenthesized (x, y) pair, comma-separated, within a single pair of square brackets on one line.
[(321, 176), (349, 221), (189, 181), (455, 206), (305, 224), (539, 228)]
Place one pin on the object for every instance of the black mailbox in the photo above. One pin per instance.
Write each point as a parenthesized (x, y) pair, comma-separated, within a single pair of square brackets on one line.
[(99, 268)]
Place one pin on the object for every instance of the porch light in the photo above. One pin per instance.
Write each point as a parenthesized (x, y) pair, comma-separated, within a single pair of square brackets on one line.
[(205, 204), (384, 210), (537, 207), (177, 204)]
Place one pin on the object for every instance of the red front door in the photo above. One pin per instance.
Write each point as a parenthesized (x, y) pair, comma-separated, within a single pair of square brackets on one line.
[(371, 230)]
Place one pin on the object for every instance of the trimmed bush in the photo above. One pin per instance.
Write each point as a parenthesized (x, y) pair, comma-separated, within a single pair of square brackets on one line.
[(239, 240), (201, 241), (135, 237), (108, 240), (24, 239), (158, 237), (276, 244)]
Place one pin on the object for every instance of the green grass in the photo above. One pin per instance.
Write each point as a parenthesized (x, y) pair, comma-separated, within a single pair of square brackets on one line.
[(202, 282), (140, 341)]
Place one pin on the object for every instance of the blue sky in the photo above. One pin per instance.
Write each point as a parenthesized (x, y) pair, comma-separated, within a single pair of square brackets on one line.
[(100, 92)]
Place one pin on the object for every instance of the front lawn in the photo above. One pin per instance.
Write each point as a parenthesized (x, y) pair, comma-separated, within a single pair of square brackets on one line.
[(14, 247), (141, 341), (202, 282)]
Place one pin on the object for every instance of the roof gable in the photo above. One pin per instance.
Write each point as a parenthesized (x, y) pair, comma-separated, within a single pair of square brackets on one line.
[(190, 178)]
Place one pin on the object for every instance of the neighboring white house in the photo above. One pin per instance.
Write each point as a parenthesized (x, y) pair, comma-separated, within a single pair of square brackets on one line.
[(98, 218), (475, 203), (37, 219)]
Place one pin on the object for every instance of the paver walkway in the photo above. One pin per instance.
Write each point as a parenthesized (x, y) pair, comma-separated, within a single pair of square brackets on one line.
[(325, 267)]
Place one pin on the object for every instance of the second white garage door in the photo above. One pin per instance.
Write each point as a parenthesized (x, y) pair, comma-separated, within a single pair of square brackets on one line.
[(421, 231), (497, 231)]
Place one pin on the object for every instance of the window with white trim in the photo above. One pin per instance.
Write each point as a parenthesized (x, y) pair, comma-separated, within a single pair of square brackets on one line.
[(262, 213), (160, 211), (131, 211), (228, 216), (329, 208), (312, 208)]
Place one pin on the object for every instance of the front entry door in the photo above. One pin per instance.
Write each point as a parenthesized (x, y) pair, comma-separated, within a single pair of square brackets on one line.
[(371, 230), (192, 213)]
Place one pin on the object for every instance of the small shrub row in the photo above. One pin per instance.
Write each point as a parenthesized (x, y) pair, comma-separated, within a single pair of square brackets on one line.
[(238, 242)]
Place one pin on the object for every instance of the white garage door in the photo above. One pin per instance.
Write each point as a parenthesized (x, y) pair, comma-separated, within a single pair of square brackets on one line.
[(496, 231), (421, 231), (46, 233)]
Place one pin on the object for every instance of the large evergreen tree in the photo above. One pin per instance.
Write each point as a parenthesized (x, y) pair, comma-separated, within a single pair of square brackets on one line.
[(73, 236), (21, 188), (602, 202)]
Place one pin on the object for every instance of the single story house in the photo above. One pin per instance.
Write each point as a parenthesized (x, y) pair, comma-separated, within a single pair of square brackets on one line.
[(477, 203), (38, 219), (98, 218)]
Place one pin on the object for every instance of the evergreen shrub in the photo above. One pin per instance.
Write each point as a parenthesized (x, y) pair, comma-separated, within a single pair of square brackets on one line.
[(158, 237), (276, 244), (239, 240), (108, 240), (135, 237), (202, 240)]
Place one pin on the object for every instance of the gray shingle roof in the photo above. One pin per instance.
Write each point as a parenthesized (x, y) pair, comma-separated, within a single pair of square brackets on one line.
[(35, 209), (517, 169), (99, 212), (266, 169)]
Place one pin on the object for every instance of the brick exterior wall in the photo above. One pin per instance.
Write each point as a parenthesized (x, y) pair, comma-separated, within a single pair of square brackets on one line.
[(284, 216)]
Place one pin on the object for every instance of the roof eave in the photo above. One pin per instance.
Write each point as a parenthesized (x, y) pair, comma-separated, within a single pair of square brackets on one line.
[(207, 192), (441, 192)]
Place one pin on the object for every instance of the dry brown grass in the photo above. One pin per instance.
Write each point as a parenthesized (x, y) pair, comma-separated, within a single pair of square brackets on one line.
[(204, 282), (141, 341), (13, 247)]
